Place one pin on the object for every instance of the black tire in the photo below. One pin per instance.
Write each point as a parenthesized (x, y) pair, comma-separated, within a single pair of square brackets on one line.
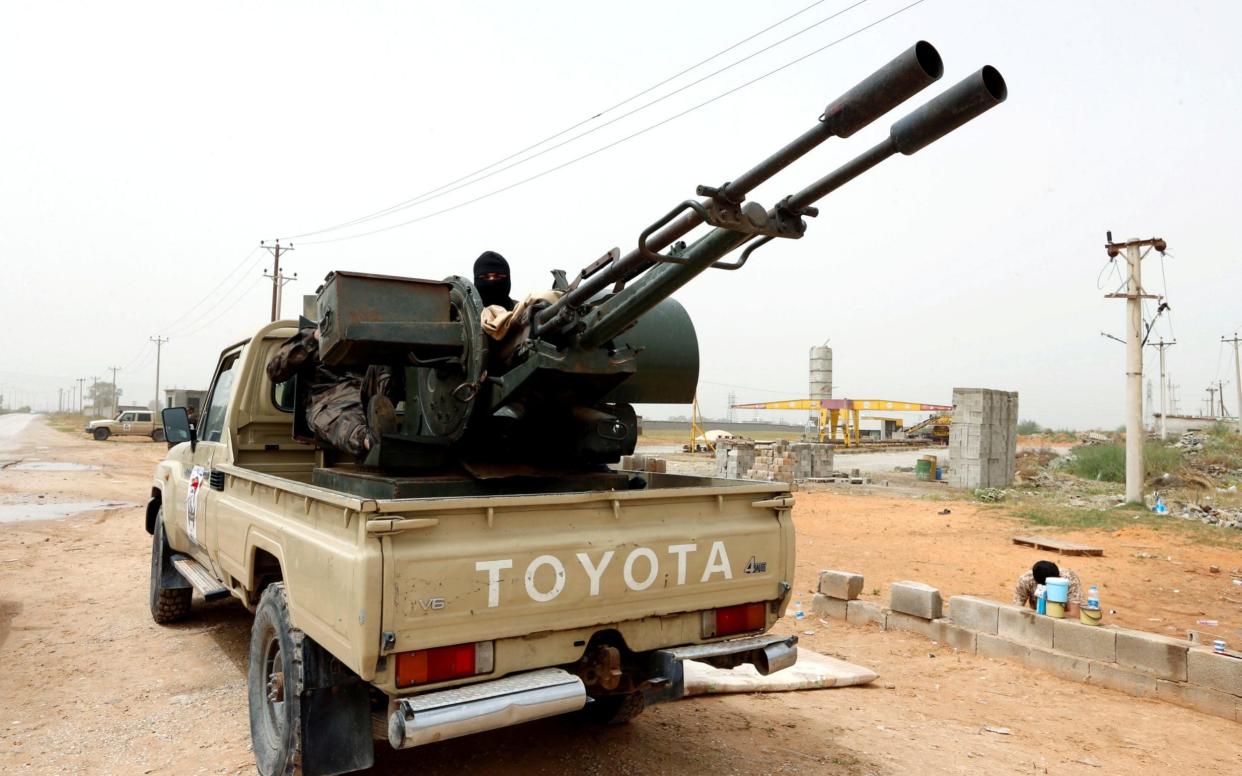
[(614, 709), (101, 434), (157, 435), (167, 604), (274, 681)]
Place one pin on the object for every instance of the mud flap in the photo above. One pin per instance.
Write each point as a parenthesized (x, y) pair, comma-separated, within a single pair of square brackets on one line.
[(336, 716), (170, 578)]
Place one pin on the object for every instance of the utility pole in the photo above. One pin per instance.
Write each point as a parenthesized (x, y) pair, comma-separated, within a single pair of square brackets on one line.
[(1211, 392), (1164, 405), (81, 396), (95, 395), (1220, 393), (114, 369), (60, 399), (1134, 296), (279, 279), (1237, 373), (159, 343)]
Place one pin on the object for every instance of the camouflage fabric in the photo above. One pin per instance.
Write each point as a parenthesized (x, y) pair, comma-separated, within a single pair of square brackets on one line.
[(334, 409)]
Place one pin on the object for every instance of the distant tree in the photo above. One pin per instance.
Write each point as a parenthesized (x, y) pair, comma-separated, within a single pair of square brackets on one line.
[(1028, 427), (103, 396)]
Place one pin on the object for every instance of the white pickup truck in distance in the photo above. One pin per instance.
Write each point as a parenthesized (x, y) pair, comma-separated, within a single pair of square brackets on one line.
[(441, 614)]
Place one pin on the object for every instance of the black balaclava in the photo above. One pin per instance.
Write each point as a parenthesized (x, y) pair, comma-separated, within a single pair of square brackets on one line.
[(493, 291)]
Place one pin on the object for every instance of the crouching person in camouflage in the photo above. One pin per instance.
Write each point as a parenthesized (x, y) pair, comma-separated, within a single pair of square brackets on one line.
[(335, 400)]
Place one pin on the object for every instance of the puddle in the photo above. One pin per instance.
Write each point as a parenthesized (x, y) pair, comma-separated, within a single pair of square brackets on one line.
[(20, 513), (50, 466)]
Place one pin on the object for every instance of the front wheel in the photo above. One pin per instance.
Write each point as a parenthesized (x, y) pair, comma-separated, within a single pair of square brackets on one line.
[(101, 434), (168, 604), (157, 435), (273, 686)]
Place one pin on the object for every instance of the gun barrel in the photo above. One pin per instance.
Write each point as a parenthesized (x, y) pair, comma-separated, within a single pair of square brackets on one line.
[(907, 74), (966, 100)]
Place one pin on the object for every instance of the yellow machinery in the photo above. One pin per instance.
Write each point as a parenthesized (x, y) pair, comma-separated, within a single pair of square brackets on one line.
[(697, 431), (936, 427), (842, 414)]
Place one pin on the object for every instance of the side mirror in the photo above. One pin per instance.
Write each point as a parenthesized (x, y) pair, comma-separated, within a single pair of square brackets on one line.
[(177, 428)]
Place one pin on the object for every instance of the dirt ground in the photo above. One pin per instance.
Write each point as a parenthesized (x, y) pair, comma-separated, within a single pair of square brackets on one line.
[(88, 684)]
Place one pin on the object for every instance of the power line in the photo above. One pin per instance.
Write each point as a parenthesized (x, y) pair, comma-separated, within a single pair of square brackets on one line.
[(627, 138), (195, 323), (417, 198), (209, 295), (221, 313), (749, 388)]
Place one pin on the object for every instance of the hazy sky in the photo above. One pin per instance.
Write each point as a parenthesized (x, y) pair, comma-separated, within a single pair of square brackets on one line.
[(148, 147)]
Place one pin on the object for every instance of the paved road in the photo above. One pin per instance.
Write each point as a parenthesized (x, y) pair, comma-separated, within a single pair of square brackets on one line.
[(11, 426)]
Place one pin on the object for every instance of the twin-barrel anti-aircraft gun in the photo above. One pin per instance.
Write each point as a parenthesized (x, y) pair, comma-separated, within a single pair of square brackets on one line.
[(556, 395)]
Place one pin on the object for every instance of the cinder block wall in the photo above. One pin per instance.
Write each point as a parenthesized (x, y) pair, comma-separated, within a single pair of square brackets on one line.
[(983, 438), (780, 461), (1146, 665)]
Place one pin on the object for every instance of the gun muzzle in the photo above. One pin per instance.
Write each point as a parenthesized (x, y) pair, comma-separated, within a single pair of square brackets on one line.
[(969, 98), (913, 70)]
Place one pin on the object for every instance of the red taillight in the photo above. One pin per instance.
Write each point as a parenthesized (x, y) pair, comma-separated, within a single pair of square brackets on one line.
[(737, 619), (425, 666)]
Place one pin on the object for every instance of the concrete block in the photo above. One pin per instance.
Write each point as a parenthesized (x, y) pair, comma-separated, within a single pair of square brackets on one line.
[(844, 585), (908, 622), (1218, 672), (1001, 649), (1090, 641), (827, 607), (955, 636), (1159, 655), (977, 614), (1202, 699), (1024, 626), (1069, 667), (865, 613), (1125, 680), (915, 598)]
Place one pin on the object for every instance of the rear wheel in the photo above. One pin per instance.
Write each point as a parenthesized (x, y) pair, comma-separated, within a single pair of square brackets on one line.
[(274, 679), (614, 709), (157, 435), (101, 434), (168, 604)]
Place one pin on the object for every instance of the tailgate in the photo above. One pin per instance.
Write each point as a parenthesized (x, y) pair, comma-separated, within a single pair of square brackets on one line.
[(478, 569)]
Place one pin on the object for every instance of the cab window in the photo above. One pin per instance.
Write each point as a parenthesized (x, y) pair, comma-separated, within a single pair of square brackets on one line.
[(212, 426), (144, 417), (127, 417), (282, 395)]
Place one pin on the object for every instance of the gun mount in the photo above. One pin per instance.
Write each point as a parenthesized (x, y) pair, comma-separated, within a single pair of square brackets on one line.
[(556, 393)]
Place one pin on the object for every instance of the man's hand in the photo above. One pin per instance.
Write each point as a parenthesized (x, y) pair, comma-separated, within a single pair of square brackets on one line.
[(316, 334)]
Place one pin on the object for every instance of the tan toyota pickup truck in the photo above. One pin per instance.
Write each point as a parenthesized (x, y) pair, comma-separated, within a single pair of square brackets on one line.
[(128, 423), (421, 619)]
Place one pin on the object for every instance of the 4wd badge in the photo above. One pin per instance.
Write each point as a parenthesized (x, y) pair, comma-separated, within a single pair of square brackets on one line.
[(755, 566)]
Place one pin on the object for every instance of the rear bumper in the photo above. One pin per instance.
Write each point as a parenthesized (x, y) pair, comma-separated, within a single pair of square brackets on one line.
[(475, 708), (768, 654)]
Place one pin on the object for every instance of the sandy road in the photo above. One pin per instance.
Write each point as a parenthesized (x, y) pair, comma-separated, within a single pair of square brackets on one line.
[(88, 684)]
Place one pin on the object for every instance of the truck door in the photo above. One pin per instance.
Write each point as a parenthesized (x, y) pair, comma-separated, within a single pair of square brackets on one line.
[(142, 424), (201, 483), (127, 423)]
